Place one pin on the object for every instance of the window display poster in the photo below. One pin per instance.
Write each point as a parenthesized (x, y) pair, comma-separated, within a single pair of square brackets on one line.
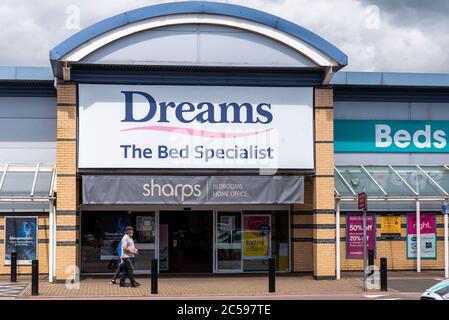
[(146, 229), (390, 227), (256, 236), (354, 234), (21, 237), (428, 236), (113, 231)]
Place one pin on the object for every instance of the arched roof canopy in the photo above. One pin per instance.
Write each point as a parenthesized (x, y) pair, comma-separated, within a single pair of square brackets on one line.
[(102, 34)]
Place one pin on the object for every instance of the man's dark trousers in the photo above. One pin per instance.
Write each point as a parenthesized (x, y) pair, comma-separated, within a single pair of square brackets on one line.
[(128, 266)]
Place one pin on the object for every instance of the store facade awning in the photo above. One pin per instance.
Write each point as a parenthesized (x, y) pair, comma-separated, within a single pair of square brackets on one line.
[(392, 183), (27, 182)]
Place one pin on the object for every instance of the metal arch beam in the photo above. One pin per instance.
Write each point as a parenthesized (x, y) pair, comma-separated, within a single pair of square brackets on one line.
[(433, 181), (312, 53), (162, 11)]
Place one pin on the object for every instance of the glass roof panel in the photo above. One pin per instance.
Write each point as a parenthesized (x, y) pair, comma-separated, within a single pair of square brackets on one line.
[(358, 179), (439, 174), (389, 181), (341, 187), (19, 179), (43, 184), (418, 181), (17, 184)]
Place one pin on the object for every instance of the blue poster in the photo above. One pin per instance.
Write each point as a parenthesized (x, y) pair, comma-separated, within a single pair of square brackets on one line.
[(21, 237), (113, 227)]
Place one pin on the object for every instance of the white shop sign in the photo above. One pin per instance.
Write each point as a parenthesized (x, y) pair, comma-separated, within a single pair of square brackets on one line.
[(130, 126)]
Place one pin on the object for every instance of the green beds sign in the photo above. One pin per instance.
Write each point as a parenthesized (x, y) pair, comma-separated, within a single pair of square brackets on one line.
[(391, 136)]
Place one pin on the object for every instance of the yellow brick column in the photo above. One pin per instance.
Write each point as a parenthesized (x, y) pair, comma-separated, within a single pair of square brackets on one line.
[(323, 196), (67, 206), (302, 230)]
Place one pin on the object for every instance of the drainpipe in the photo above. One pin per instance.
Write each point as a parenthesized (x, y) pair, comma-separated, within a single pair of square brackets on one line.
[(337, 238), (51, 249), (446, 244)]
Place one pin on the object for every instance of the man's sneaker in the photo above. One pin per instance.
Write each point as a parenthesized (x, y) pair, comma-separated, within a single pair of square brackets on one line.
[(135, 284), (112, 282)]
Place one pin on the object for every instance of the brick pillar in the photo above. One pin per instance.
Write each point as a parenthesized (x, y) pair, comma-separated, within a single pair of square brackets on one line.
[(302, 231), (67, 206), (323, 195)]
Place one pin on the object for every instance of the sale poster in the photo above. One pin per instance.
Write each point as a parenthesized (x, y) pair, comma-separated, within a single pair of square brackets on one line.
[(428, 237), (21, 237), (257, 236), (354, 235)]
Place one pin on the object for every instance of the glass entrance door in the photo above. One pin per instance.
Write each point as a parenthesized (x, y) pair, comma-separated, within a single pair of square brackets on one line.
[(229, 241), (185, 241)]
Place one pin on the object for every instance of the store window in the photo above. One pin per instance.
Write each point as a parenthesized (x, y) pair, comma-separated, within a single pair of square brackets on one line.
[(101, 233), (247, 239)]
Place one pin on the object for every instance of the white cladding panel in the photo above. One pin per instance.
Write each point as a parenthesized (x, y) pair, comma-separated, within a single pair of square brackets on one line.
[(27, 129), (198, 45)]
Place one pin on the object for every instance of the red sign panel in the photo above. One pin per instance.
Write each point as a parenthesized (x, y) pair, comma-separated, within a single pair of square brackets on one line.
[(362, 200)]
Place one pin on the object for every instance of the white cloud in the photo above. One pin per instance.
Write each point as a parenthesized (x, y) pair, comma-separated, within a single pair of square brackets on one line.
[(29, 29)]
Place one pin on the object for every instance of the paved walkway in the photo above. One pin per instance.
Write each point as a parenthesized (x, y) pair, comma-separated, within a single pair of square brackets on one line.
[(291, 286)]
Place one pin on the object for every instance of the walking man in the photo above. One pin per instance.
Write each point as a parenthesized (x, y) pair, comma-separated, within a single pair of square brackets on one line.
[(128, 253)]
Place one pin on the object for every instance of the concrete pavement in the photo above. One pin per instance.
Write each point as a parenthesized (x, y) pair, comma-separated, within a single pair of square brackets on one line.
[(402, 286)]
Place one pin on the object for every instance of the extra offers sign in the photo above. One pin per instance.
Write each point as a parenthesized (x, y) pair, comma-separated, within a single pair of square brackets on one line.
[(130, 126), (257, 236)]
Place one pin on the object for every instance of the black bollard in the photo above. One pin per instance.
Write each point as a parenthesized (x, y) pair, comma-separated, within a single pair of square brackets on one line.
[(13, 266), (35, 278), (271, 275), (383, 274), (370, 257), (154, 274)]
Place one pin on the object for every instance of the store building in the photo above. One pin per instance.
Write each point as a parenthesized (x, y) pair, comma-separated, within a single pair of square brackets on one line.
[(225, 136)]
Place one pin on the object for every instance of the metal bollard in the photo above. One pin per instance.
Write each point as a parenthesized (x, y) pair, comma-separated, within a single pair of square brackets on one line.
[(370, 257), (35, 278), (271, 275), (154, 276), (13, 266), (383, 274)]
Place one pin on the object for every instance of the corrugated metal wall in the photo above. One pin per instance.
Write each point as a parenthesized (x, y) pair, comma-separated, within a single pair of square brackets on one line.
[(27, 129)]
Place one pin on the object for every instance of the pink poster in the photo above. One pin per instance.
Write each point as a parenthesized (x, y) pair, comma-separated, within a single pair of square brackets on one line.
[(428, 239), (427, 222), (354, 235)]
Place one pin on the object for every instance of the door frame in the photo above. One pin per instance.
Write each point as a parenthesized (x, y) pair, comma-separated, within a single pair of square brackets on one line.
[(194, 209), (215, 243)]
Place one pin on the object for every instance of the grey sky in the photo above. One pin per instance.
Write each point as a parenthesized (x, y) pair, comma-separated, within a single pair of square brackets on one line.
[(377, 35)]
